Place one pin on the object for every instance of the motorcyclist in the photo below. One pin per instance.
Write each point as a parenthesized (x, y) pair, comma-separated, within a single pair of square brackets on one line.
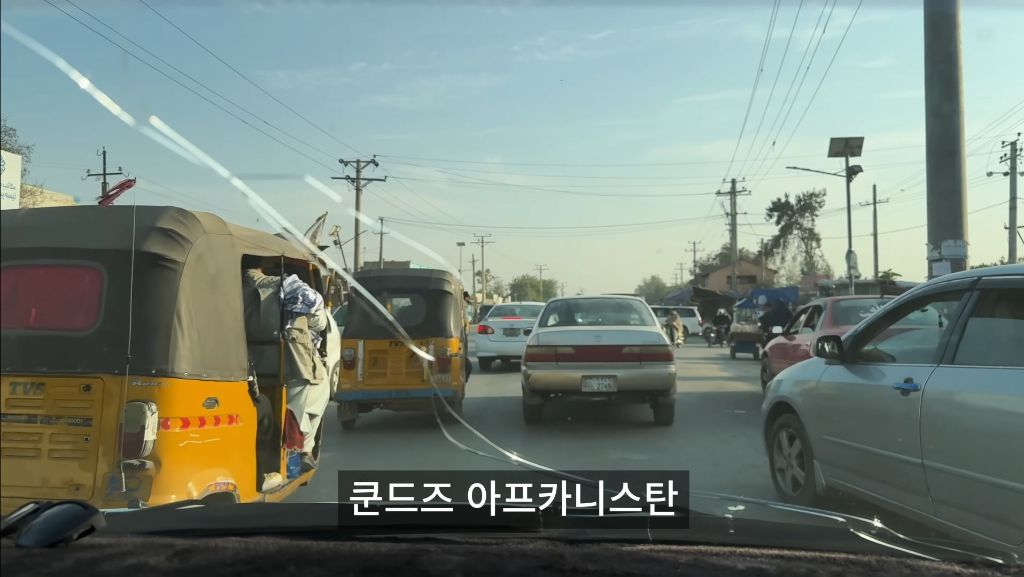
[(722, 323), (674, 327)]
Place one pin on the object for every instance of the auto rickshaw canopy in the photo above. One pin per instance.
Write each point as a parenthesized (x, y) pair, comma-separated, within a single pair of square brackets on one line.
[(170, 307)]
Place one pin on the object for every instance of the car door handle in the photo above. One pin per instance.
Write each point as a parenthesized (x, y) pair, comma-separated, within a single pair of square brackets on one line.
[(907, 386)]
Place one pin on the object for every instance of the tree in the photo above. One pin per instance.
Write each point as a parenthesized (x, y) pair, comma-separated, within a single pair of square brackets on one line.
[(653, 289), (888, 275), (797, 237), (1001, 262), (9, 141), (528, 287)]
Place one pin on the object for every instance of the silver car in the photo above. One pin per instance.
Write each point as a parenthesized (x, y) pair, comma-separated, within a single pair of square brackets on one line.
[(602, 347), (919, 409)]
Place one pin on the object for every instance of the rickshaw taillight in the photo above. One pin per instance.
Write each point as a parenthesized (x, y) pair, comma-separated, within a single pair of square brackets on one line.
[(141, 421), (443, 361), (348, 359)]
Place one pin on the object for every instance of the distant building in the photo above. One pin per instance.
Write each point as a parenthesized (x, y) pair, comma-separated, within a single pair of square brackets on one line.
[(34, 196), (749, 274)]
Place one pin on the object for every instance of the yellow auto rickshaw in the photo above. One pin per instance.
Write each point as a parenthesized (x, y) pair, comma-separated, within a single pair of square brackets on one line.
[(127, 376), (379, 370)]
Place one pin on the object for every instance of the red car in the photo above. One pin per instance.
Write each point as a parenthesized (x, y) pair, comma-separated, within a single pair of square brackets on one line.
[(826, 316)]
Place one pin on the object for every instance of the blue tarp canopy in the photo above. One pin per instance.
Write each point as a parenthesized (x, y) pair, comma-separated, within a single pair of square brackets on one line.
[(760, 297)]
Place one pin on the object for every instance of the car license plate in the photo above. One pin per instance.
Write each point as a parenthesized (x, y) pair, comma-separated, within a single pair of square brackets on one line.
[(510, 332), (599, 385)]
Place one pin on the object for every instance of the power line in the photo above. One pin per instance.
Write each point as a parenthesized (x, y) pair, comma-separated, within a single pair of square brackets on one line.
[(771, 93), (757, 80), (558, 227), (195, 92), (824, 75), (396, 157), (796, 95), (792, 83), (249, 80)]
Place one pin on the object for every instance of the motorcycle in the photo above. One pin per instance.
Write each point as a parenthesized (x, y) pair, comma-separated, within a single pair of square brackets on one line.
[(715, 335), (675, 337)]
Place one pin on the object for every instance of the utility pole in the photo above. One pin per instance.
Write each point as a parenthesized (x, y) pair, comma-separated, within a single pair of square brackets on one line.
[(473, 271), (693, 246), (381, 233), (461, 245), (1011, 159), (764, 266), (944, 138), (732, 193), (359, 182), (874, 221), (540, 272), (481, 240), (682, 273), (103, 174), (563, 289)]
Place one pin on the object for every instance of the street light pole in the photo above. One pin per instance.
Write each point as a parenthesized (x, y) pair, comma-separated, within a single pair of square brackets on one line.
[(461, 245), (849, 226)]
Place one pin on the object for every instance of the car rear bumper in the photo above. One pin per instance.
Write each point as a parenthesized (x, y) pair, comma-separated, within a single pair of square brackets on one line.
[(645, 380)]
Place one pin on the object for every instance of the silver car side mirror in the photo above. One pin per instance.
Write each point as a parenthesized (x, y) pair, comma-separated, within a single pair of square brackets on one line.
[(829, 347)]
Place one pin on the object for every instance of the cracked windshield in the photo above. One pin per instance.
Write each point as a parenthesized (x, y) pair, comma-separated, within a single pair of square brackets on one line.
[(757, 257)]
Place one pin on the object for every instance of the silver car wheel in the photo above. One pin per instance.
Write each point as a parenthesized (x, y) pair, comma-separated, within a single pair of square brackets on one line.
[(788, 459)]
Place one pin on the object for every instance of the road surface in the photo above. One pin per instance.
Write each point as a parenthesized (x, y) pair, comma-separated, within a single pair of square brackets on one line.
[(716, 434)]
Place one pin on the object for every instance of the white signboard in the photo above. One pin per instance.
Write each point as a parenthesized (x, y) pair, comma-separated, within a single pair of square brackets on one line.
[(10, 167)]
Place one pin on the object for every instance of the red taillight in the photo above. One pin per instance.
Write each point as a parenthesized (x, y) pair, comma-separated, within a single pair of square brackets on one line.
[(540, 354), (484, 330), (511, 318), (348, 359), (650, 354), (443, 361), (141, 421)]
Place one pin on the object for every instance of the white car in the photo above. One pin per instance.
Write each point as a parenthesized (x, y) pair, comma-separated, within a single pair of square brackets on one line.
[(501, 335), (602, 348)]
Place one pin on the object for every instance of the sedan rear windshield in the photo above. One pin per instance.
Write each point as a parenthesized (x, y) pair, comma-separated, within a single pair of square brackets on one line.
[(521, 311), (597, 312), (850, 312)]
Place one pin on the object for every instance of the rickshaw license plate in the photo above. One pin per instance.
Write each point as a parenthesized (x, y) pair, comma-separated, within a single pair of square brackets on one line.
[(510, 332), (599, 385)]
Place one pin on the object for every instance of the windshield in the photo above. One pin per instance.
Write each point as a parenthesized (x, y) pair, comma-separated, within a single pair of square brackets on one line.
[(554, 179), (520, 311), (848, 312), (596, 312)]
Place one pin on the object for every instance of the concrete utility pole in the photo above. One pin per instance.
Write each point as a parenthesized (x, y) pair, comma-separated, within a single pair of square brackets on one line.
[(874, 221), (682, 273), (944, 132), (103, 174), (563, 289), (359, 182), (472, 270), (481, 240), (732, 193), (764, 266), (540, 272), (1011, 159), (693, 247), (381, 232)]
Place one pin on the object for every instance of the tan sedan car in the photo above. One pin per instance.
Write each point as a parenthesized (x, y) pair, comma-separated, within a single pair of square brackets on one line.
[(603, 347)]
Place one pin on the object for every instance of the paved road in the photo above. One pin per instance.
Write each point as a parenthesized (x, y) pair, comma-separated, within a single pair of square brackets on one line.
[(716, 433)]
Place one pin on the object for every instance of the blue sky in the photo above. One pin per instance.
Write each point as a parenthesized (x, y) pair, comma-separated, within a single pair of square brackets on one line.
[(493, 116)]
